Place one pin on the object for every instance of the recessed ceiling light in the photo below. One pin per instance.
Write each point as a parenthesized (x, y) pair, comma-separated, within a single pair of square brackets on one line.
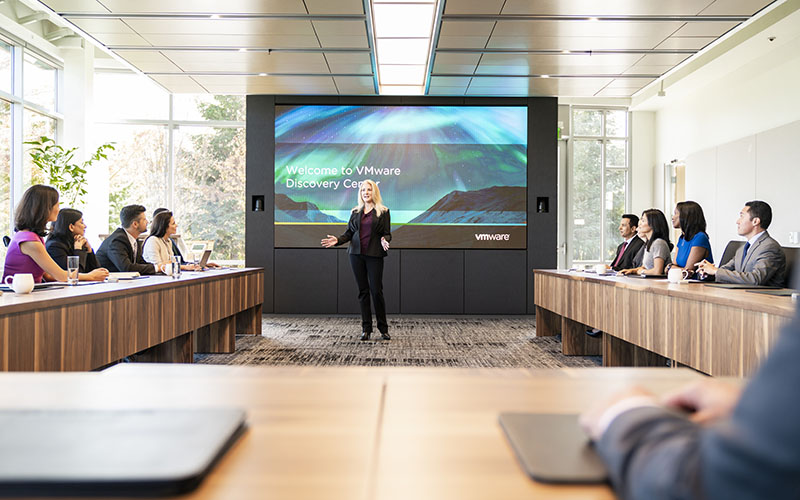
[(214, 16), (566, 52), (593, 19), (262, 74), (544, 76), (243, 50)]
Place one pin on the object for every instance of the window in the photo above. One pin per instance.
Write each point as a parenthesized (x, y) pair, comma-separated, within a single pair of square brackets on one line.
[(599, 182), (192, 163), (5, 172), (35, 125), (39, 82), (5, 67)]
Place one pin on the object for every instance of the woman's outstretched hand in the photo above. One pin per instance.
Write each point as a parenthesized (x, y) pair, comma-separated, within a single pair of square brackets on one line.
[(384, 243), (330, 241)]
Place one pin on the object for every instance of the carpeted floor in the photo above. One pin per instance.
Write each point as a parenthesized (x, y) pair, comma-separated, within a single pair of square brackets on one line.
[(479, 341)]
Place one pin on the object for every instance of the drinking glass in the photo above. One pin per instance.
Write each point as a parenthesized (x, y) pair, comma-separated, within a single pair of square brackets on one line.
[(73, 266), (176, 267)]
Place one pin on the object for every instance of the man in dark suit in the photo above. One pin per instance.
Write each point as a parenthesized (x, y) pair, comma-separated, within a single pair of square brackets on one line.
[(761, 260), (122, 251), (734, 446), (630, 245)]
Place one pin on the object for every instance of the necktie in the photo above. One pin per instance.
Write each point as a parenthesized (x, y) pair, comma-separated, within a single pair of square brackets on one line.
[(744, 253), (621, 252)]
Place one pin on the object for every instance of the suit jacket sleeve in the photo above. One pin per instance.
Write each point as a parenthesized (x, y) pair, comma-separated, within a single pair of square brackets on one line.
[(351, 229), (766, 263), (90, 264), (651, 453), (118, 254), (386, 226)]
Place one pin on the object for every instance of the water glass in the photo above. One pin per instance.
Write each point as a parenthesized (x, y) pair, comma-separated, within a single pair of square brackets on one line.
[(176, 267), (73, 266)]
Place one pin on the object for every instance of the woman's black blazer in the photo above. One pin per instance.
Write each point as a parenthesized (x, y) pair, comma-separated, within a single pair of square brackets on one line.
[(381, 227), (60, 250)]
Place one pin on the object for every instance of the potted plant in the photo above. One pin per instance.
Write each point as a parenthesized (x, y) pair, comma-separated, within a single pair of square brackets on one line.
[(58, 169)]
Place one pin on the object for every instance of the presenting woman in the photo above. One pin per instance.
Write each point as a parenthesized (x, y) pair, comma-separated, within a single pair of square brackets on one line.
[(26, 252), (369, 234), (68, 238), (158, 246)]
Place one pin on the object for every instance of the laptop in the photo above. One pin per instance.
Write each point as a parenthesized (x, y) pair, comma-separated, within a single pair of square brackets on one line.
[(552, 448), (131, 452), (204, 259)]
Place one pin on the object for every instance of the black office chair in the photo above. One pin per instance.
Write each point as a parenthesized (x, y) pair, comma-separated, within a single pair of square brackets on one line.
[(6, 241), (792, 261), (730, 251)]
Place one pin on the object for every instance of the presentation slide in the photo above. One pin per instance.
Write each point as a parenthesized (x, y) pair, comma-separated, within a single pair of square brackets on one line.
[(452, 176)]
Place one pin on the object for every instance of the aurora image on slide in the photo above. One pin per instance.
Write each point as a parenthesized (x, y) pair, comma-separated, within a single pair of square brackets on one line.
[(435, 165)]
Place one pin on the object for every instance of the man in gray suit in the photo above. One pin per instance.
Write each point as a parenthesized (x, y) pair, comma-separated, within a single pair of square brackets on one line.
[(761, 260), (734, 446)]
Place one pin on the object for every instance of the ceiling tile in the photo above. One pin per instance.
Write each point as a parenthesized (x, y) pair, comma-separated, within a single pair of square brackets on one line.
[(249, 62), (340, 7), (455, 63), (571, 87), (466, 28), (447, 90), (498, 91), (179, 84), (450, 81), (587, 28), (344, 42), (662, 59), (576, 42), (86, 6), (641, 69), (246, 41), (342, 62), (95, 26), (599, 64), (342, 33), (113, 40), (501, 82), (630, 83), (462, 42), (735, 7), (694, 42), (710, 28), (491, 7), (208, 6), (149, 61), (355, 85), (222, 26), (606, 7), (267, 85)]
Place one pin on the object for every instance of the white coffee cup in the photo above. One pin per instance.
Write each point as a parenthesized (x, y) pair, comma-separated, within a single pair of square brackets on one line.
[(579, 267), (676, 275), (21, 283), (600, 268)]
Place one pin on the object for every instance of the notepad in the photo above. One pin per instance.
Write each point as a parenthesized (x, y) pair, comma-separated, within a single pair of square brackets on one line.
[(124, 275)]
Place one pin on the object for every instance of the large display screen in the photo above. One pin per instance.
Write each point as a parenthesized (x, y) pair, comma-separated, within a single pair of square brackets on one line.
[(452, 176)]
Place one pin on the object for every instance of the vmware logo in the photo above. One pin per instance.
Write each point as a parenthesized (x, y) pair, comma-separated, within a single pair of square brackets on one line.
[(496, 237)]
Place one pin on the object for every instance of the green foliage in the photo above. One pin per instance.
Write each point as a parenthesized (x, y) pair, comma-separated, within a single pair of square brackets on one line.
[(58, 169)]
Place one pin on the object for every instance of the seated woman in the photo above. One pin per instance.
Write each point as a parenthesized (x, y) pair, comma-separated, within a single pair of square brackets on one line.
[(693, 245), (654, 230), (68, 238), (26, 252), (158, 246)]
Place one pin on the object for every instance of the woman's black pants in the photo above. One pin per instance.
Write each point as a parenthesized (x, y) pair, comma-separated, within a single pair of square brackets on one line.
[(369, 276)]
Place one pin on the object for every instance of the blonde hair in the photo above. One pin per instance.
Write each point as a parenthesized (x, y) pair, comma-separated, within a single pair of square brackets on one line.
[(376, 198)]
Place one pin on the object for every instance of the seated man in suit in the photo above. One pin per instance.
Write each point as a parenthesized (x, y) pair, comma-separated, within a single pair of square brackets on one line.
[(761, 260), (122, 251), (735, 445), (630, 245)]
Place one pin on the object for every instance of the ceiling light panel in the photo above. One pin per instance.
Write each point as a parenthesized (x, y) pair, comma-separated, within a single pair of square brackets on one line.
[(403, 50), (399, 74), (403, 21)]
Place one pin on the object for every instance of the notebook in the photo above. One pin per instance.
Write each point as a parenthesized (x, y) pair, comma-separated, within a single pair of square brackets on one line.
[(552, 448), (783, 292), (37, 287), (741, 286), (134, 452)]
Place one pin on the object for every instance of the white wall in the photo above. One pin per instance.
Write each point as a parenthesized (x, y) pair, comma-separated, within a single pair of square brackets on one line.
[(643, 164), (736, 124)]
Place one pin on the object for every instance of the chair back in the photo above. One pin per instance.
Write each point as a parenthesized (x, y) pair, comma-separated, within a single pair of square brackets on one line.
[(792, 261), (6, 241), (730, 251)]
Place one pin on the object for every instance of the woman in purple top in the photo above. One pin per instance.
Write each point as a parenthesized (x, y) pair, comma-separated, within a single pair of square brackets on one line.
[(26, 252), (369, 234)]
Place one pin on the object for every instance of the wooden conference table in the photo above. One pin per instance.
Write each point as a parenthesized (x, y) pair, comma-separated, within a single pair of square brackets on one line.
[(89, 326), (353, 433), (647, 322)]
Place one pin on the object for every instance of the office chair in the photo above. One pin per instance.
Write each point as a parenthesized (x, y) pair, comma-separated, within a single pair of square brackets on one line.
[(730, 251), (792, 261), (6, 241)]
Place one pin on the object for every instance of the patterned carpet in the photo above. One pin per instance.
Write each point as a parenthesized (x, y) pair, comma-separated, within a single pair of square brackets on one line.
[(478, 341)]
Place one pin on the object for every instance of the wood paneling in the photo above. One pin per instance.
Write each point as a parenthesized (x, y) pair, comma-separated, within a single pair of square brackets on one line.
[(87, 327), (575, 341), (548, 323), (716, 331)]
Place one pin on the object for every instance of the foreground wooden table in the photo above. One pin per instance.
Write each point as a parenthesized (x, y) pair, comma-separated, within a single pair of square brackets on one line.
[(717, 331), (353, 433), (89, 326)]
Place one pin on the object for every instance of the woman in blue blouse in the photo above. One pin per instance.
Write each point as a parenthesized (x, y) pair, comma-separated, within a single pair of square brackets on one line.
[(693, 245)]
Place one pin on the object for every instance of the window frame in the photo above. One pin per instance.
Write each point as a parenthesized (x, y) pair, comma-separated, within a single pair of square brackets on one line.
[(604, 140)]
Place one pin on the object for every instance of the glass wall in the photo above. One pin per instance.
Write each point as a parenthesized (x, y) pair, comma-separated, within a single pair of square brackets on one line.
[(598, 182), (182, 152)]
